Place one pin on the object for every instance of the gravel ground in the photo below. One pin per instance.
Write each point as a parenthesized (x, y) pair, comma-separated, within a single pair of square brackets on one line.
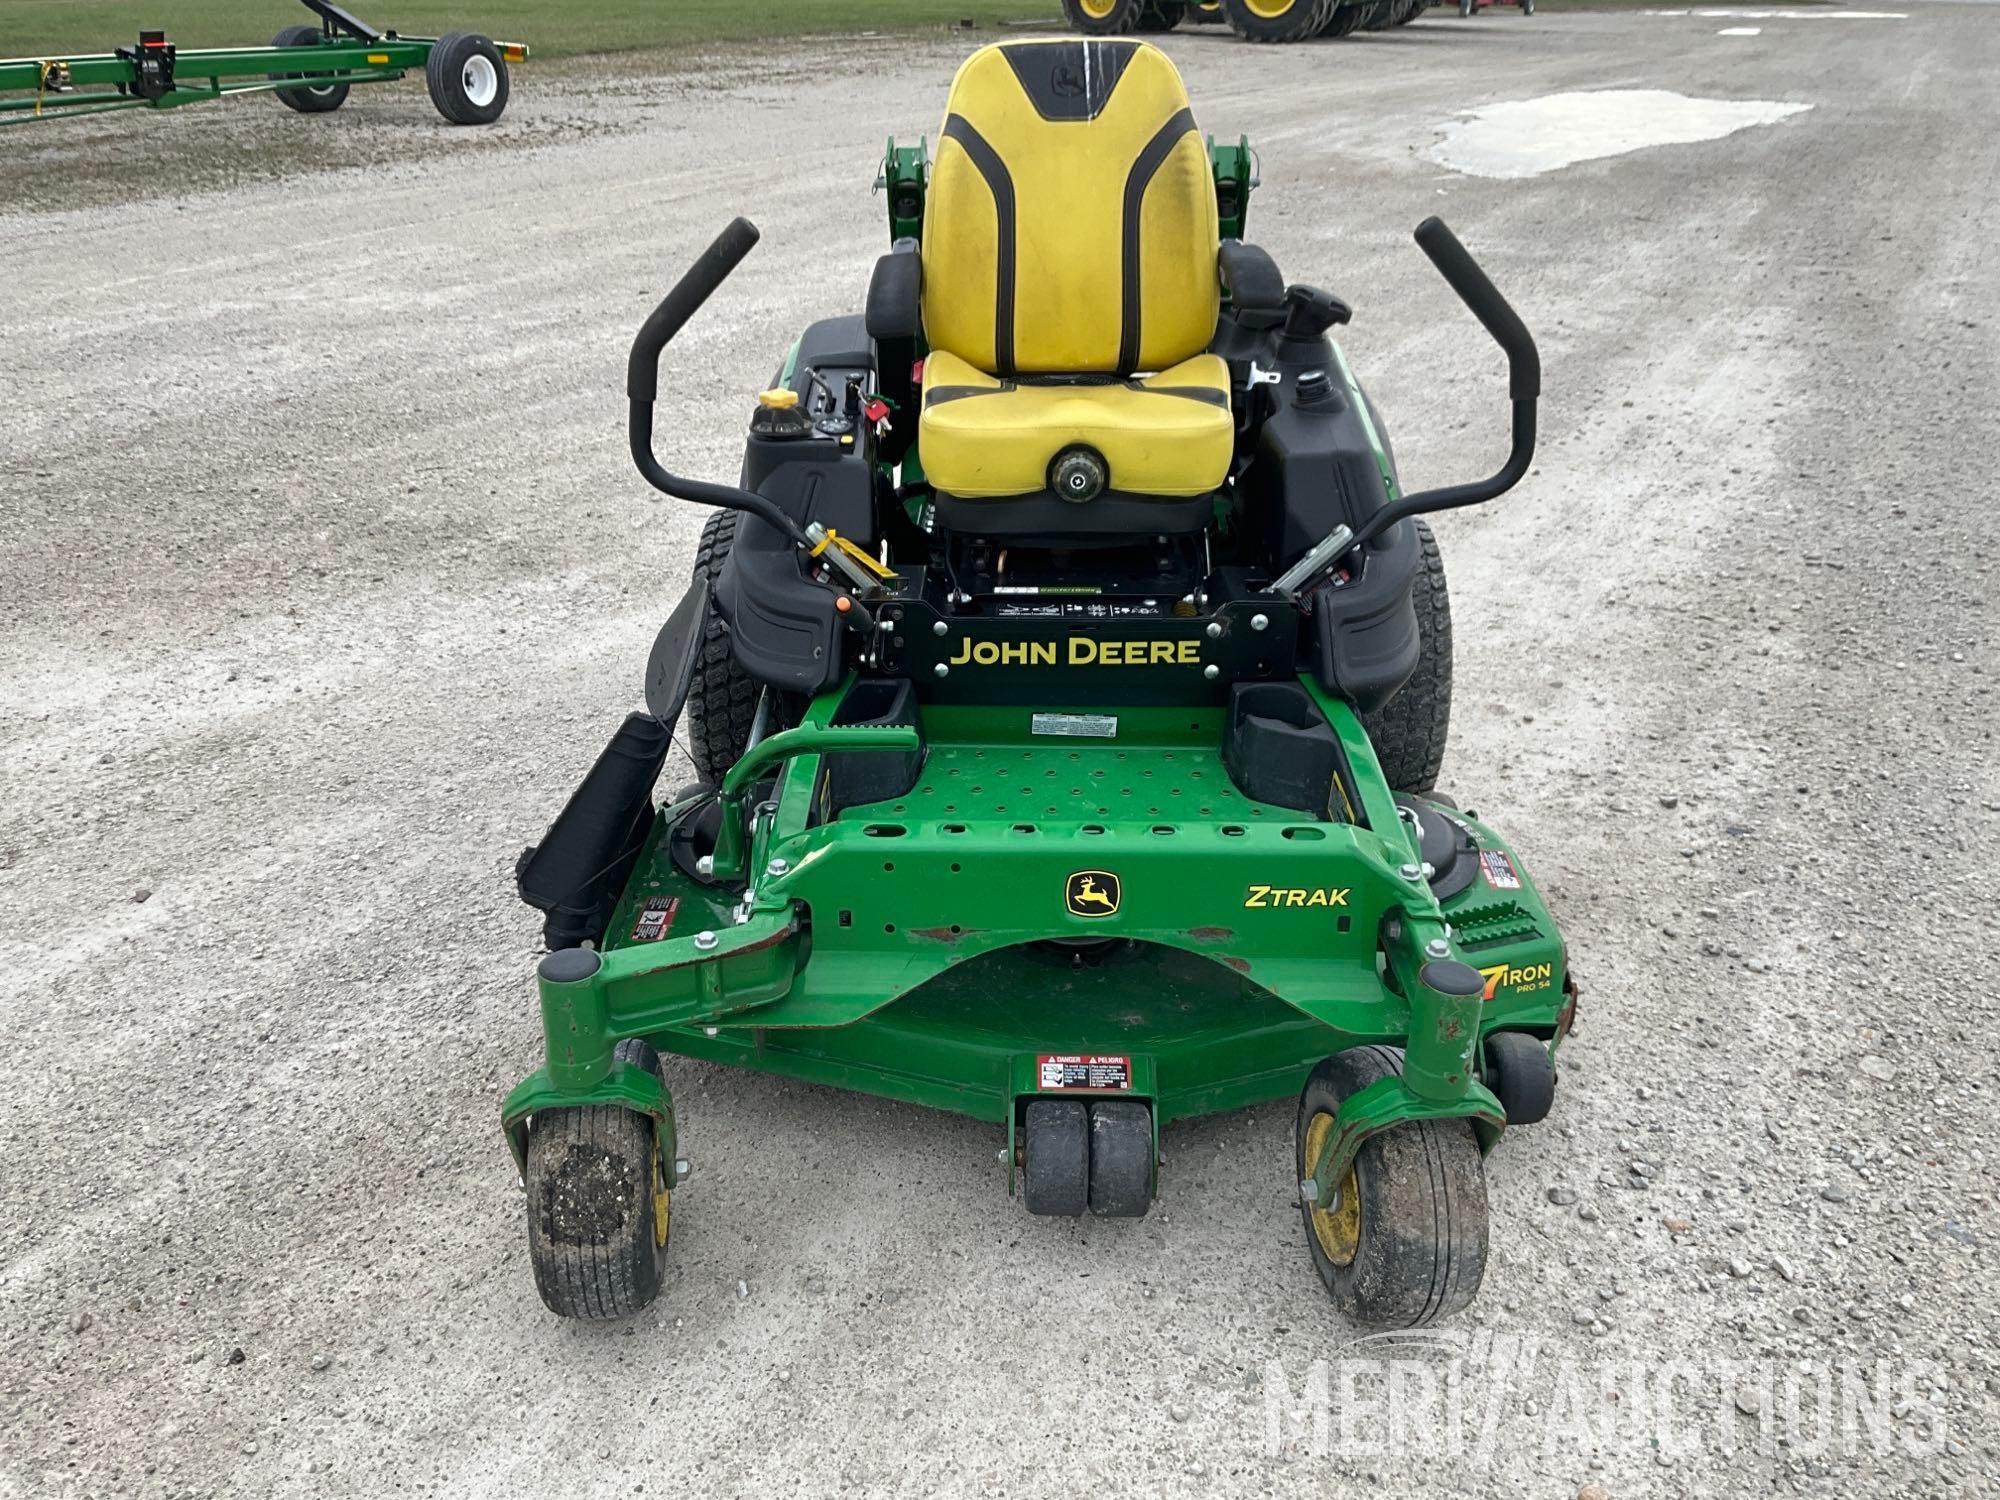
[(325, 575)]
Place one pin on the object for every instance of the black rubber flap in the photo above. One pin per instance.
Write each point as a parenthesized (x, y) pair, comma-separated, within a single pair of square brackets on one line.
[(578, 871), (670, 669)]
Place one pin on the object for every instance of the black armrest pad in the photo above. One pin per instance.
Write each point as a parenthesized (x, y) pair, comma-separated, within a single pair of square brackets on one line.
[(895, 297), (1250, 278)]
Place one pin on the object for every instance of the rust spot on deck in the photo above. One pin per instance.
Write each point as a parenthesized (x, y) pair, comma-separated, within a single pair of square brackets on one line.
[(944, 934), (1210, 934), (1240, 965)]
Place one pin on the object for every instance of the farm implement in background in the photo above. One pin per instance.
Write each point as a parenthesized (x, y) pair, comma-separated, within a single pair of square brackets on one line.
[(309, 67)]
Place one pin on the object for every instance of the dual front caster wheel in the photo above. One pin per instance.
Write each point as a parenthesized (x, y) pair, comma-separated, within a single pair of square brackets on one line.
[(1404, 1242), (599, 1205), (1096, 1156)]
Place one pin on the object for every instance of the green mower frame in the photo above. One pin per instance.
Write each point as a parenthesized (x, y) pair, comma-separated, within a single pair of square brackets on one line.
[(1061, 911), (309, 68)]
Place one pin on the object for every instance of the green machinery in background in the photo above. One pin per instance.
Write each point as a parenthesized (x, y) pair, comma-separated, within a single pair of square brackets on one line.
[(309, 67), (1254, 20)]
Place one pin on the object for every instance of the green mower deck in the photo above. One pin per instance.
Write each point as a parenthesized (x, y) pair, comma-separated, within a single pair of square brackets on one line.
[(1236, 944)]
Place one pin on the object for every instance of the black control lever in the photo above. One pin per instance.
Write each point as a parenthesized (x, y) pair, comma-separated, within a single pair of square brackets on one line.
[(1524, 382), (1524, 386), (1309, 312), (642, 380)]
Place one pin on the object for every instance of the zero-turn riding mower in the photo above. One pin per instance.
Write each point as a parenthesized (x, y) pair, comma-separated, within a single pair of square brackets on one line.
[(1067, 679)]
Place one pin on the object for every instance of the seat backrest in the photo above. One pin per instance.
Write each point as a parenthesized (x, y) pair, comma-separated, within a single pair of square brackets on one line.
[(1070, 223)]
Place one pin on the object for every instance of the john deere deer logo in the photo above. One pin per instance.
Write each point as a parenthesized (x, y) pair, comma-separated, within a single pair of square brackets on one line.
[(1091, 893)]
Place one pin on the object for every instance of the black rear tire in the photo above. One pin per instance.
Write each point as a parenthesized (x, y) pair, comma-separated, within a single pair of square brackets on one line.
[(1121, 1159), (1110, 18), (467, 78), (722, 700), (1055, 1157), (598, 1205), (319, 99), (1409, 731), (1297, 21), (1409, 1235), (1409, 11)]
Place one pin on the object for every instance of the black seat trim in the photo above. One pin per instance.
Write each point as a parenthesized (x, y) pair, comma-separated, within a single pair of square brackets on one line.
[(1001, 186), (1136, 182), (1079, 80)]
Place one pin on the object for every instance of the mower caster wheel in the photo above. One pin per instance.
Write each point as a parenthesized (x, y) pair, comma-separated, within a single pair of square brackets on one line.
[(467, 78), (1522, 1075), (598, 1205), (1055, 1157), (1121, 1159), (1404, 1243), (315, 98)]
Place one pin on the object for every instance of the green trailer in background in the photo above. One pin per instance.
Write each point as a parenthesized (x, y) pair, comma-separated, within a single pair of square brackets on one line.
[(310, 69)]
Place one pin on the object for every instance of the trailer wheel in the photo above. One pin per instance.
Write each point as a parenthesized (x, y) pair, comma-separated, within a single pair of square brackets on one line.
[(467, 78), (1104, 17), (599, 1200), (1276, 20), (317, 99), (1405, 1242)]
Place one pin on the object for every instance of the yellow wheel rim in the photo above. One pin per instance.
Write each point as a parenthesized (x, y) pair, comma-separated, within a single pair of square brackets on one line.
[(1337, 1229), (662, 1203), (1265, 10), (1098, 10)]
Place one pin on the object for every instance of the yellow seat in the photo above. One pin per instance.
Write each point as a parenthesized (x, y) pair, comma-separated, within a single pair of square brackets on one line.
[(1070, 230), (1166, 434)]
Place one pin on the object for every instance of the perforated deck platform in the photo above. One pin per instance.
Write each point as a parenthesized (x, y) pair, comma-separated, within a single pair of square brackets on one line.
[(1167, 767)]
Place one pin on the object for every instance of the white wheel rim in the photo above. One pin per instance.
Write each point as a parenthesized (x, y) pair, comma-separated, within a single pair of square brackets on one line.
[(481, 81)]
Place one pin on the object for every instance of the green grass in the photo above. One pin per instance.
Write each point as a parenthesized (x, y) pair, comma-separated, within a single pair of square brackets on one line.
[(553, 28)]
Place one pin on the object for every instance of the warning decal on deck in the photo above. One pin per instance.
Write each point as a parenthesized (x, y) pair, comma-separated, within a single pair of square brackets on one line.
[(654, 919), (1070, 1070), (1498, 870)]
